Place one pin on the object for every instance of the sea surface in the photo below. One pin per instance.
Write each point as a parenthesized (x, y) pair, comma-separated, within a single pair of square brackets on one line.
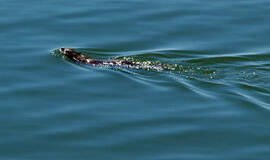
[(212, 104)]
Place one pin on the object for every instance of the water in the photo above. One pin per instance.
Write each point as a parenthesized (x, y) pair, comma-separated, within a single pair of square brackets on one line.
[(212, 104)]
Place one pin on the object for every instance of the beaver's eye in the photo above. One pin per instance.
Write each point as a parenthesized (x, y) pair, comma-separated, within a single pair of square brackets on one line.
[(62, 49)]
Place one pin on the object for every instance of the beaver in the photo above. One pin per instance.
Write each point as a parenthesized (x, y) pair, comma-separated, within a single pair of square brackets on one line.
[(79, 58)]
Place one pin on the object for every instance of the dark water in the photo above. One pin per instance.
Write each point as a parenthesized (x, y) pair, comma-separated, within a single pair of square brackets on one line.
[(213, 103)]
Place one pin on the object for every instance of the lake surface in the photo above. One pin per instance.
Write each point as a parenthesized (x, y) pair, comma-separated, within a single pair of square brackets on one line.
[(213, 104)]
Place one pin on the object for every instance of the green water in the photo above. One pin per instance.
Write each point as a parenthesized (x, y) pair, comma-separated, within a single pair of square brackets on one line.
[(211, 103)]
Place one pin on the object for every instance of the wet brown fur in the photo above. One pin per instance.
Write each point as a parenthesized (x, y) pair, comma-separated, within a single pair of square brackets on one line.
[(77, 57)]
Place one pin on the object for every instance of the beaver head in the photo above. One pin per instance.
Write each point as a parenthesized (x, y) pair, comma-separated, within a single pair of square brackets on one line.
[(70, 53), (75, 56), (67, 51)]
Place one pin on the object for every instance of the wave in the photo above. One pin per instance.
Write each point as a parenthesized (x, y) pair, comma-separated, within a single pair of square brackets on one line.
[(196, 71)]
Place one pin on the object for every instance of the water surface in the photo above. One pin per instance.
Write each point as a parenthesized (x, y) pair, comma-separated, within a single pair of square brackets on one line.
[(212, 104)]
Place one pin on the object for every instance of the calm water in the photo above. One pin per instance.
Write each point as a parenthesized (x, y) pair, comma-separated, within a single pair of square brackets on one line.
[(213, 104)]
